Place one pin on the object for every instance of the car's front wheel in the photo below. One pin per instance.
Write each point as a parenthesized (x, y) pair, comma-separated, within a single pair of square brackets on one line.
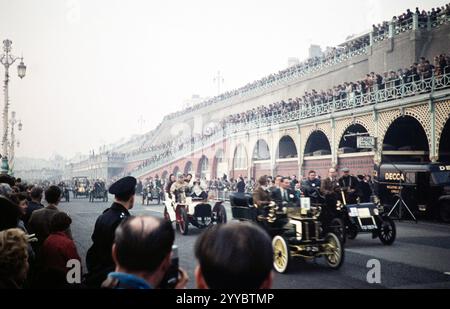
[(387, 232), (282, 255), (335, 251), (183, 224)]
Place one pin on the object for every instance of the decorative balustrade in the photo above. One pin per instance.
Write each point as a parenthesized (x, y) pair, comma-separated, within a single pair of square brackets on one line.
[(394, 90)]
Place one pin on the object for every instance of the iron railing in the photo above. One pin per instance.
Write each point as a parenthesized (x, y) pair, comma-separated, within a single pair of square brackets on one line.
[(393, 90)]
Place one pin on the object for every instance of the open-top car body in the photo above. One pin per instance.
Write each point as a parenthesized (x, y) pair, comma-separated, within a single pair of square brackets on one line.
[(296, 231), (197, 212)]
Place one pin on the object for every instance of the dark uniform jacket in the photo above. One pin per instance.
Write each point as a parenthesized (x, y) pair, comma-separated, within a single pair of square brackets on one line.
[(99, 261), (261, 197)]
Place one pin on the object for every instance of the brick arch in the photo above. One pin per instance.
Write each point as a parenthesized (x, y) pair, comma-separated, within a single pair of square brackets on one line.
[(310, 132), (188, 167), (215, 162), (255, 143), (305, 133), (202, 159), (343, 126), (176, 170), (277, 146), (388, 118), (235, 149), (442, 112)]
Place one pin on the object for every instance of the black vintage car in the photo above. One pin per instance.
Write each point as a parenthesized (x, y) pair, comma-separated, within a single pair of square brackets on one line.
[(98, 192), (349, 220), (151, 193), (296, 232), (425, 188)]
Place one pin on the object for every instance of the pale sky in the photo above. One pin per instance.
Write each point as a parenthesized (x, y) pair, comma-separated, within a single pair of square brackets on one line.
[(96, 66)]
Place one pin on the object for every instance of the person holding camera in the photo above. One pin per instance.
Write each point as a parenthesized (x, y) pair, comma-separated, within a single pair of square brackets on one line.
[(142, 253)]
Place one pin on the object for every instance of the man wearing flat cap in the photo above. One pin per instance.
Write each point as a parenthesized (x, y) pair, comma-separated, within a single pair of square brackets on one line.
[(99, 261), (348, 184)]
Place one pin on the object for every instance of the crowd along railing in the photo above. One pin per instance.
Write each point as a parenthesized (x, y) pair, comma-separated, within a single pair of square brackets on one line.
[(393, 90)]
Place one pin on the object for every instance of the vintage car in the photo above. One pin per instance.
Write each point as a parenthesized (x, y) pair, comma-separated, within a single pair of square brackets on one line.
[(151, 193), (349, 220), (98, 191), (296, 232), (197, 212), (80, 187)]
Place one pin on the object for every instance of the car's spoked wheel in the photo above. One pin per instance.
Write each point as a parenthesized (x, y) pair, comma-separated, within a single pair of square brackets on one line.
[(335, 251), (282, 255), (387, 231), (183, 223)]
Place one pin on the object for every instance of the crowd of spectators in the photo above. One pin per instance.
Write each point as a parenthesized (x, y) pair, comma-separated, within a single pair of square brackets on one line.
[(405, 20), (37, 251), (423, 69), (372, 81), (328, 57)]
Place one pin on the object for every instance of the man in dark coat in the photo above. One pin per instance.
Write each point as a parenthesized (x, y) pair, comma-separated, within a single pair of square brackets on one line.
[(241, 185), (311, 186), (330, 189), (98, 258), (40, 219), (349, 185), (284, 194), (36, 195), (364, 190)]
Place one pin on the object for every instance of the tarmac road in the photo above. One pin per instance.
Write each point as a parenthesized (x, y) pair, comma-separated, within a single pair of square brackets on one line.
[(419, 258)]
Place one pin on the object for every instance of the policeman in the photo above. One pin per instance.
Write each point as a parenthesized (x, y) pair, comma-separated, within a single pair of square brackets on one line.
[(98, 258)]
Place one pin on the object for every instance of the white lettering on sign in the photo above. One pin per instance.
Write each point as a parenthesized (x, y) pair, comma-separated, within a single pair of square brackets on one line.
[(394, 176), (365, 142)]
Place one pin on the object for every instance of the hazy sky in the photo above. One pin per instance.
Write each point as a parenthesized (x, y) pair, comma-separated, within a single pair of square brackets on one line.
[(96, 66)]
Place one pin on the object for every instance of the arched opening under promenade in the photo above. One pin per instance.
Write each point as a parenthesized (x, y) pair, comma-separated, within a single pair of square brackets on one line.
[(405, 141)]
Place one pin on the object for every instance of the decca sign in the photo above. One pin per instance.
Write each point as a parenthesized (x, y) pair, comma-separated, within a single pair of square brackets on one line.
[(443, 168), (394, 176)]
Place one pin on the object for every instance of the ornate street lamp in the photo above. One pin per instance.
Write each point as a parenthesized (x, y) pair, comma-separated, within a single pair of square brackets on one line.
[(7, 60), (21, 69)]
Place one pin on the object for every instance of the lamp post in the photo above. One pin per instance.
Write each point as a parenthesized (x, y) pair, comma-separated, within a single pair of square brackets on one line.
[(13, 121), (7, 60)]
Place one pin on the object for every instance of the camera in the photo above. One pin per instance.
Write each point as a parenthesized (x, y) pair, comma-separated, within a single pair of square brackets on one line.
[(170, 279)]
